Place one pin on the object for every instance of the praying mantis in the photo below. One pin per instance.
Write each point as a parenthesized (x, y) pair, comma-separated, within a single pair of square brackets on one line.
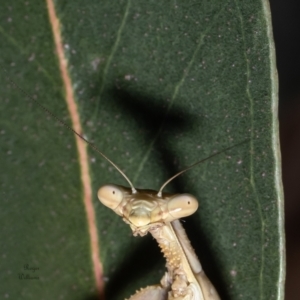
[(158, 213)]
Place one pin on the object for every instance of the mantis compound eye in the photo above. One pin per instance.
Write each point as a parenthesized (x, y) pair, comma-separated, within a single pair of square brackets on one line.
[(110, 195), (182, 206)]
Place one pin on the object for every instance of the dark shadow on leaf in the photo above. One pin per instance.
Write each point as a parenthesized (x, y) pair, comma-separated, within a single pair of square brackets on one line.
[(147, 257), (156, 123)]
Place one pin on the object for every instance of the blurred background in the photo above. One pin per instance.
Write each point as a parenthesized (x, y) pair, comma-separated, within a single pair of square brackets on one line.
[(286, 29)]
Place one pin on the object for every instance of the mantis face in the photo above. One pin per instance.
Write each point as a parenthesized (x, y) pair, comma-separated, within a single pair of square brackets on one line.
[(144, 209)]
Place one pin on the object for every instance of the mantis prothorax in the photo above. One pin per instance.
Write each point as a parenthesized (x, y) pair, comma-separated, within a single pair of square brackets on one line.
[(158, 213)]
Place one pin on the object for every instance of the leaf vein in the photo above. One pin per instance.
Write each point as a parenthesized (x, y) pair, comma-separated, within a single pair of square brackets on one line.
[(252, 177), (174, 95), (112, 53)]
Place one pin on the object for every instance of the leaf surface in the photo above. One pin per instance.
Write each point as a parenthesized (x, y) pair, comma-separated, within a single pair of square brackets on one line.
[(159, 86)]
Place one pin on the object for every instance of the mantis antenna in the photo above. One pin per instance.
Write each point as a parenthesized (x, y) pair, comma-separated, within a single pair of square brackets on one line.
[(78, 134), (159, 194)]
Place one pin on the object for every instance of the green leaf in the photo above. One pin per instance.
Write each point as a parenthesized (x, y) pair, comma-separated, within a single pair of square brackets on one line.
[(160, 85)]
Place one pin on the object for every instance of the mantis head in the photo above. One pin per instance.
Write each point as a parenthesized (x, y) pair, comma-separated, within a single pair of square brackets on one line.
[(144, 208)]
